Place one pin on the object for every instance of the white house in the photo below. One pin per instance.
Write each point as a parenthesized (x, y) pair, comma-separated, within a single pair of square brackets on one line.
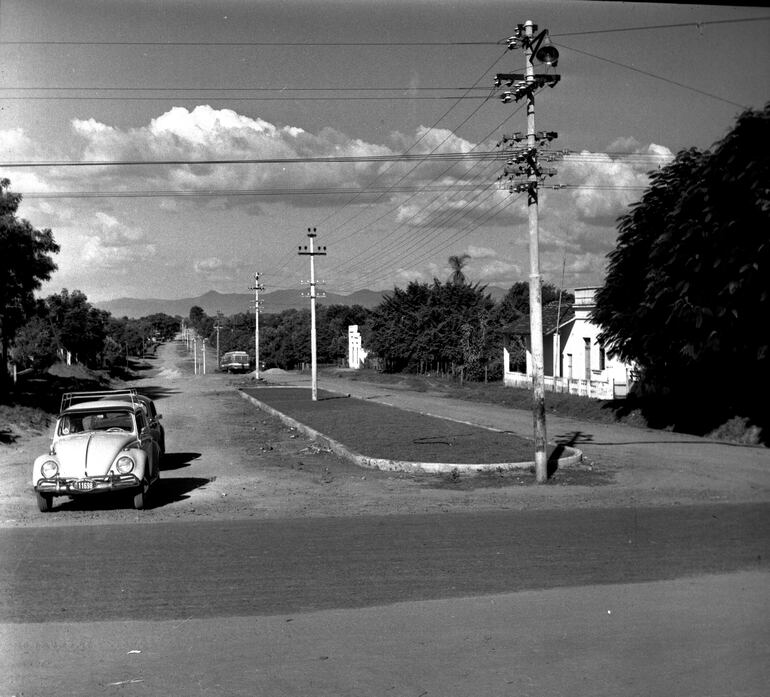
[(575, 360), (356, 353)]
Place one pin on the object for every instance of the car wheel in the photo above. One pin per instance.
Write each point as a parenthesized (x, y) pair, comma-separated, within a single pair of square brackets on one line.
[(140, 498), (44, 502)]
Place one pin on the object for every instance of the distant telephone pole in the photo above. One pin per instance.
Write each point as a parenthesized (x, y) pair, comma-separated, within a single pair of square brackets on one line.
[(218, 326), (312, 253), (524, 162), (256, 288)]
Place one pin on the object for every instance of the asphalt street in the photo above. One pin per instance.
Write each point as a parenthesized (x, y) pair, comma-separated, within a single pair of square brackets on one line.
[(246, 567)]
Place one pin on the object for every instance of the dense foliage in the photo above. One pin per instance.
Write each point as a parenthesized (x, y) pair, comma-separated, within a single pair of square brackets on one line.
[(687, 294), (284, 338), (66, 326), (25, 263), (438, 327)]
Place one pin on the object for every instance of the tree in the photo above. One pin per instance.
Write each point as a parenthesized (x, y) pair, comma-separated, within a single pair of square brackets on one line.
[(457, 264), (80, 327), (25, 263), (164, 326), (686, 295), (422, 327), (35, 344), (332, 326)]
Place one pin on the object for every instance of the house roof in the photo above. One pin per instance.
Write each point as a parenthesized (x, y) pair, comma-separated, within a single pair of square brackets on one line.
[(550, 313)]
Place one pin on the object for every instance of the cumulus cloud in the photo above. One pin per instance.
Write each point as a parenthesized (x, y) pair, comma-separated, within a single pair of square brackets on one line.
[(205, 133), (609, 183), (104, 243), (216, 270)]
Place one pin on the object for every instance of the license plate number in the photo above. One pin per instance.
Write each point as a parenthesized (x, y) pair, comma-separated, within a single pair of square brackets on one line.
[(83, 485)]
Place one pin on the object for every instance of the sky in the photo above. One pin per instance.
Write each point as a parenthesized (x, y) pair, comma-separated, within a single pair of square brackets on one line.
[(331, 92)]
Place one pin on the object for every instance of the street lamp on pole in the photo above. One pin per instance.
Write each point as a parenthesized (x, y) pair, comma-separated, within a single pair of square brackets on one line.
[(524, 162)]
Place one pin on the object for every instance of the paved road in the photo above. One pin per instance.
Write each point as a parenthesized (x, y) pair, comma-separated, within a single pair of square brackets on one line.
[(405, 605), (246, 567), (564, 600)]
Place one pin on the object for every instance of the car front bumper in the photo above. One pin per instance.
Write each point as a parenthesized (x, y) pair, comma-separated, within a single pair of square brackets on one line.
[(87, 485)]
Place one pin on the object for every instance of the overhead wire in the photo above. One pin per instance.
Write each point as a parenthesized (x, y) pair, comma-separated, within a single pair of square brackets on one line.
[(385, 44), (424, 135), (653, 75), (639, 158)]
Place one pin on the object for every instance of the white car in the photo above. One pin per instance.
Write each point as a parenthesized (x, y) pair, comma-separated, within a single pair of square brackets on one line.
[(98, 446)]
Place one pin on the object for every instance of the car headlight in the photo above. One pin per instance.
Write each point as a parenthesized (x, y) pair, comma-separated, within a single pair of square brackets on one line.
[(125, 464), (49, 469)]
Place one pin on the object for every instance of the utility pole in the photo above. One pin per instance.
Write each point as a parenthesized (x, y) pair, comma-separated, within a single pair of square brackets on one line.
[(218, 326), (525, 162), (203, 351), (195, 354), (312, 253), (256, 288)]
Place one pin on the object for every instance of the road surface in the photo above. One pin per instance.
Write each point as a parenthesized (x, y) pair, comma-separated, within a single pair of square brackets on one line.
[(267, 568)]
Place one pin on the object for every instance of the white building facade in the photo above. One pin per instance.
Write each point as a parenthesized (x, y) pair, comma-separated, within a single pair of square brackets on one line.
[(575, 361), (356, 353)]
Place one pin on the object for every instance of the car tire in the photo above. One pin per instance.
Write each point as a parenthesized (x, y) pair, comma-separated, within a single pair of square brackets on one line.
[(44, 502), (140, 498)]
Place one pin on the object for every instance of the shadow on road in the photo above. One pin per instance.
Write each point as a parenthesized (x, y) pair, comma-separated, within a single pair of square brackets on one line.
[(176, 461), (168, 491), (157, 392), (162, 493), (576, 438)]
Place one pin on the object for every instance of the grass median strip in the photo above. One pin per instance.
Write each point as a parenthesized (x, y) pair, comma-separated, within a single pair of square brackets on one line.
[(382, 431)]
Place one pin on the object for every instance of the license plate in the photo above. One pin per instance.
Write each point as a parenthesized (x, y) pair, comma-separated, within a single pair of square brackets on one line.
[(83, 485)]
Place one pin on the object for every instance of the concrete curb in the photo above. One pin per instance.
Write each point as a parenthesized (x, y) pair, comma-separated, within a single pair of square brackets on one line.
[(571, 457)]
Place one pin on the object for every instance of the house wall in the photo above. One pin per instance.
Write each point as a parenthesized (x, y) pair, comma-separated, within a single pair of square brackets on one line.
[(356, 353), (583, 360)]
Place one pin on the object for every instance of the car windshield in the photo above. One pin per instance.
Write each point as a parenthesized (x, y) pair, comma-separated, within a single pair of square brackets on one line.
[(97, 420)]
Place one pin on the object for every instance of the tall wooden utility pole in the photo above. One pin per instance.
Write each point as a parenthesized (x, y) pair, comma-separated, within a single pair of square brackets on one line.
[(525, 162), (256, 288), (309, 250)]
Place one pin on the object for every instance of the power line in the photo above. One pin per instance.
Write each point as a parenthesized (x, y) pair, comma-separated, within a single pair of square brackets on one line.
[(396, 157), (254, 161), (245, 192), (89, 88), (290, 44), (656, 27), (483, 74), (657, 77), (369, 44), (282, 98)]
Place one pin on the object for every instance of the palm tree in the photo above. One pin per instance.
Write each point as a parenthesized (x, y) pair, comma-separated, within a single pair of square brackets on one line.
[(457, 263)]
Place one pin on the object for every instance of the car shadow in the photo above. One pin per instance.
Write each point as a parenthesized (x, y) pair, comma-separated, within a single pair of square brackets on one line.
[(8, 437), (166, 491), (156, 392), (162, 493), (176, 461)]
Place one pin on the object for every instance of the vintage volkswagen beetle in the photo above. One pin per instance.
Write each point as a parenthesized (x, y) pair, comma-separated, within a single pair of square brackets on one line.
[(98, 446), (129, 394)]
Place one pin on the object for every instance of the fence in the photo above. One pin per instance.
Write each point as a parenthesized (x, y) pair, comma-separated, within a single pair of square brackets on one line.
[(595, 389)]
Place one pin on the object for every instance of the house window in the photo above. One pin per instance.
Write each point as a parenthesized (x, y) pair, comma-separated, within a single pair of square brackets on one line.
[(569, 366), (587, 341), (602, 358)]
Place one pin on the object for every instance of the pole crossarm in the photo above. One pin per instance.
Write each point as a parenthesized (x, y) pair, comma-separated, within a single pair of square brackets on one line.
[(257, 287), (523, 173), (311, 251)]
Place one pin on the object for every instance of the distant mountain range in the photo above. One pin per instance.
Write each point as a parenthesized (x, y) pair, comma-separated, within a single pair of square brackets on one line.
[(232, 303)]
